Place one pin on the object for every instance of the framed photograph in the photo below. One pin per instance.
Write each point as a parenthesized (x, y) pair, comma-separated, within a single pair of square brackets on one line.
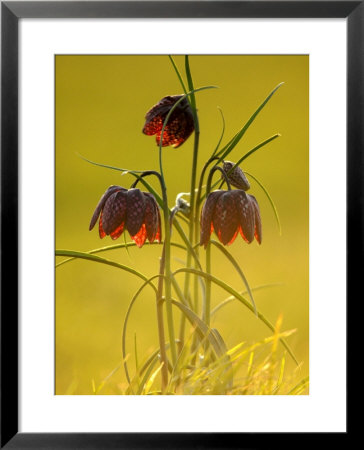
[(182, 182)]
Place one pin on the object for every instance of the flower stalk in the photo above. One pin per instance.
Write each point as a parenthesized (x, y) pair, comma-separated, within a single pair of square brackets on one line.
[(160, 322), (193, 219)]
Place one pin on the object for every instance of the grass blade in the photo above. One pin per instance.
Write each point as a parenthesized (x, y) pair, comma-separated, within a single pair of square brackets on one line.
[(299, 387)]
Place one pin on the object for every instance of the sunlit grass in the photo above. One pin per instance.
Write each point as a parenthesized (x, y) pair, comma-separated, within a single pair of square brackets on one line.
[(245, 369)]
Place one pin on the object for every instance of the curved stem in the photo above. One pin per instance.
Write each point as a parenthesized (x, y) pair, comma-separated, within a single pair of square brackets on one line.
[(145, 174), (209, 179)]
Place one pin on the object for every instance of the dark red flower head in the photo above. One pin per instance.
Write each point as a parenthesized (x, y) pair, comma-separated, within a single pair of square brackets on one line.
[(236, 177), (179, 126), (228, 213), (136, 210)]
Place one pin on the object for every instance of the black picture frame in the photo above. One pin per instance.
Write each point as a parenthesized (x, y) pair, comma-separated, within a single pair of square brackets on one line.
[(11, 12)]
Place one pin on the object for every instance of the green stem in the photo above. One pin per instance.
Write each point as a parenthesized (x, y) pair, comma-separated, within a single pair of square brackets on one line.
[(207, 303), (192, 193), (167, 263), (160, 321)]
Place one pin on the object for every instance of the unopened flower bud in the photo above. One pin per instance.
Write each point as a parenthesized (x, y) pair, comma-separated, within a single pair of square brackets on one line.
[(236, 176), (183, 206)]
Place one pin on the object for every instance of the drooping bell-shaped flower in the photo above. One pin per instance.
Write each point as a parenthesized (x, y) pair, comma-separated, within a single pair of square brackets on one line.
[(236, 176), (137, 211), (180, 124), (228, 213)]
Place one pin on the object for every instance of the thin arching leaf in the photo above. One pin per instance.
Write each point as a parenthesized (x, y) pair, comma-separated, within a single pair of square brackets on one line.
[(270, 201), (115, 247), (190, 82), (221, 135), (185, 239), (237, 268), (202, 329), (135, 173), (256, 148), (232, 297), (247, 154), (130, 307), (178, 74), (239, 297), (98, 259), (236, 139)]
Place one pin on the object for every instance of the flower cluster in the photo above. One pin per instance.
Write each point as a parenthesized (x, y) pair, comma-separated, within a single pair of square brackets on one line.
[(228, 213), (132, 209), (180, 124)]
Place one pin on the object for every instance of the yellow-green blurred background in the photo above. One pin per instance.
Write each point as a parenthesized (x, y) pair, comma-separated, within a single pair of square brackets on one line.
[(101, 102)]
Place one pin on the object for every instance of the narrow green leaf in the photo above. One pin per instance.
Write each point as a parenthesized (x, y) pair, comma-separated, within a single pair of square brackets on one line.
[(203, 330), (281, 373), (270, 201), (236, 139), (149, 382), (249, 153), (100, 260), (222, 133), (135, 173), (253, 150), (115, 247), (185, 239), (106, 166), (126, 246), (178, 74), (131, 304), (190, 82), (147, 376), (136, 352), (237, 268), (232, 297)]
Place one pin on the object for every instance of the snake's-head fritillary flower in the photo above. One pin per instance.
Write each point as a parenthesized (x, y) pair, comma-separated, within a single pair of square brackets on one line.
[(180, 124), (236, 177), (228, 213), (132, 209)]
